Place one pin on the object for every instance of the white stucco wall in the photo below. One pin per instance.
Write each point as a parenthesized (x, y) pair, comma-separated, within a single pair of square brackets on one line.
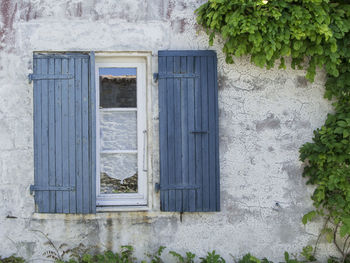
[(265, 116)]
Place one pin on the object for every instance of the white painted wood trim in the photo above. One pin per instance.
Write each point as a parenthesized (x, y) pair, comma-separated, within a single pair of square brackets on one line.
[(106, 209), (125, 199)]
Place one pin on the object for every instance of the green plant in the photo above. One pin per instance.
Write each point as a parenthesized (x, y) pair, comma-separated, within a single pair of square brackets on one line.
[(212, 258), (77, 252), (307, 253), (12, 259), (272, 29), (124, 256), (189, 258), (156, 257), (248, 258)]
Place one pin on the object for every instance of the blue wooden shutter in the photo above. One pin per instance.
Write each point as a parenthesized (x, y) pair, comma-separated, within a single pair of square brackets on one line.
[(188, 131), (64, 133)]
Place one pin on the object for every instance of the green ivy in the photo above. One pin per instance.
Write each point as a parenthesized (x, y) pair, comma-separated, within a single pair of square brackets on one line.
[(328, 168), (306, 30), (315, 34)]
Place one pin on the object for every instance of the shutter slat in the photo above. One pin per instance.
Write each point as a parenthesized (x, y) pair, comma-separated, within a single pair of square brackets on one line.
[(184, 135), (58, 135), (65, 143), (78, 134), (217, 163), (178, 132), (204, 137), (51, 135), (92, 134), (163, 131), (64, 180), (211, 135), (171, 133), (37, 130), (188, 131), (198, 139), (71, 137), (85, 135), (45, 137), (191, 136)]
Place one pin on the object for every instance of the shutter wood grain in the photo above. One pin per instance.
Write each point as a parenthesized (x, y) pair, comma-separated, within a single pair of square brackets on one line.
[(64, 133), (188, 131)]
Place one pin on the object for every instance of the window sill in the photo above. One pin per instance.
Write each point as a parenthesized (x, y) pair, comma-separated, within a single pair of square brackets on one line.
[(101, 212), (103, 209)]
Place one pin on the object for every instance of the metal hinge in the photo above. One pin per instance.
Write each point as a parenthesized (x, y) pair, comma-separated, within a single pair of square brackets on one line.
[(159, 187), (32, 77), (178, 75), (50, 188)]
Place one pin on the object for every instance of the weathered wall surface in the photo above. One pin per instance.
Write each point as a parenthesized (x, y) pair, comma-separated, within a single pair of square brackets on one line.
[(265, 116)]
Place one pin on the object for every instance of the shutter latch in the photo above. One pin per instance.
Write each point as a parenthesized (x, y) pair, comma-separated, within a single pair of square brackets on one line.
[(157, 187), (198, 131)]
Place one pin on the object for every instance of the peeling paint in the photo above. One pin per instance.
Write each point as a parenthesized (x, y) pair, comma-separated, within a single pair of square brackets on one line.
[(8, 11)]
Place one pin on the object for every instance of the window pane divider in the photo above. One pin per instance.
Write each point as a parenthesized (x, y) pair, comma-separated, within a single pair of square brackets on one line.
[(118, 151), (118, 109)]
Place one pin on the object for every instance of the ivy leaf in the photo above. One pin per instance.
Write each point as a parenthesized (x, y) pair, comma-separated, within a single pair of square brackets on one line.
[(308, 217), (328, 233), (342, 124), (343, 230), (338, 130)]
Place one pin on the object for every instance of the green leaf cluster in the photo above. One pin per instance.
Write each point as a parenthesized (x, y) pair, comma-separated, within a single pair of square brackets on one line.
[(268, 30), (124, 256), (328, 160)]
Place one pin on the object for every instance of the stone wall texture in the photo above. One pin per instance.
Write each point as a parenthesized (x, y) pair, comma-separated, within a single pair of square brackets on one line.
[(265, 116)]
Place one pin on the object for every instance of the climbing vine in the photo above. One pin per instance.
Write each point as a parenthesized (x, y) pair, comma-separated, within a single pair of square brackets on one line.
[(315, 34)]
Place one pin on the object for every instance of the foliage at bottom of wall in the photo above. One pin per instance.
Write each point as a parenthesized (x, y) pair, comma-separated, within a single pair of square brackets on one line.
[(81, 254), (12, 259)]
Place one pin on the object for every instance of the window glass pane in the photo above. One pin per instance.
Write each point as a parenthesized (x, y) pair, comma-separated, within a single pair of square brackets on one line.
[(117, 87), (118, 130), (118, 173)]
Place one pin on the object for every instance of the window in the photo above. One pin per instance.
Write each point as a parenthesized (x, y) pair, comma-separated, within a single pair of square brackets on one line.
[(90, 131), (121, 131)]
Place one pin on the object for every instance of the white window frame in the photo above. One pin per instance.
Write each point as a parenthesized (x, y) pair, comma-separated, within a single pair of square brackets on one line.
[(125, 199)]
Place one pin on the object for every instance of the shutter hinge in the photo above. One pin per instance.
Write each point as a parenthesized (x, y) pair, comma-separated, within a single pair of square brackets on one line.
[(159, 187), (50, 188), (50, 76), (30, 78), (155, 77), (178, 75)]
